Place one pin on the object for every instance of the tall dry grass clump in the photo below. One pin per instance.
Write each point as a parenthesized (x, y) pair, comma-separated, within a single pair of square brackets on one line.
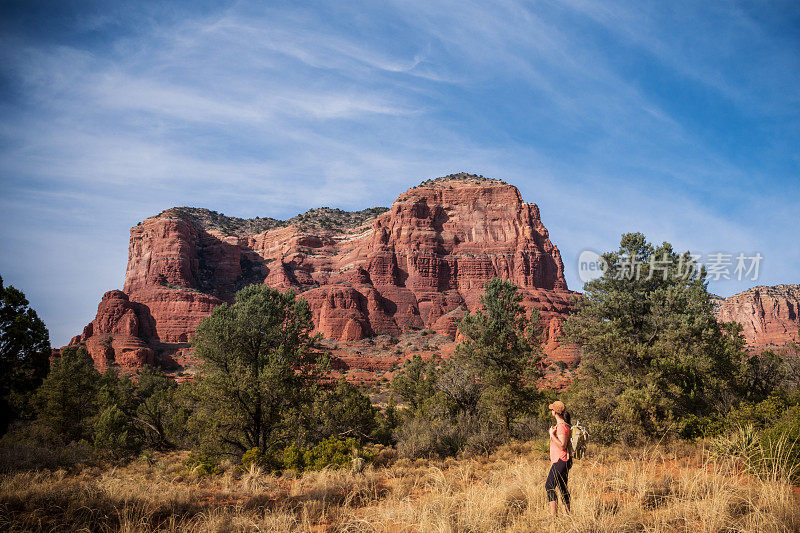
[(677, 487)]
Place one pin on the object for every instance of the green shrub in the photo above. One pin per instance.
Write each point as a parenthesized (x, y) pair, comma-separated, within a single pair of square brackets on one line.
[(442, 436), (293, 458), (341, 409), (773, 454), (113, 434), (781, 445), (331, 452), (201, 465), (741, 444), (254, 457), (760, 415), (328, 453)]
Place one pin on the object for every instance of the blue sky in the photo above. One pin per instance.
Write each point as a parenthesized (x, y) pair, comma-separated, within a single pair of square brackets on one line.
[(677, 119)]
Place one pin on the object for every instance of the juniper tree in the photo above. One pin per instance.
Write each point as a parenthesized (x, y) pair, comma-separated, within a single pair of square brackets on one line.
[(24, 354), (259, 371), (654, 359), (67, 401), (500, 353)]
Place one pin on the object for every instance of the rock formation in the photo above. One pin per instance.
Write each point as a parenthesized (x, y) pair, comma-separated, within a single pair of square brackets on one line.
[(768, 315), (120, 333), (419, 265)]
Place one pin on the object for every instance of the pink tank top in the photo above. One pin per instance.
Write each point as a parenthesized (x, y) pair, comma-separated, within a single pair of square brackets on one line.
[(562, 431)]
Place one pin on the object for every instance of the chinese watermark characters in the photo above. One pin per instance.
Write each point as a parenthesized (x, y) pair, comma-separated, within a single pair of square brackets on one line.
[(718, 266)]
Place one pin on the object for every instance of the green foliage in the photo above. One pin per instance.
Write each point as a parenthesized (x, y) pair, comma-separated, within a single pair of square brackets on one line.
[(435, 434), (340, 411), (472, 400), (202, 465), (654, 359), (293, 458), (791, 367), (772, 453), (24, 355), (331, 453), (260, 371), (387, 422), (501, 353), (764, 374), (781, 440), (67, 400), (113, 433), (760, 415), (254, 457), (415, 383), (156, 411), (117, 413)]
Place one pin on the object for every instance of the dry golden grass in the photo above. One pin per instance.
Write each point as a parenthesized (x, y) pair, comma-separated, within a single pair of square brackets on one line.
[(660, 488)]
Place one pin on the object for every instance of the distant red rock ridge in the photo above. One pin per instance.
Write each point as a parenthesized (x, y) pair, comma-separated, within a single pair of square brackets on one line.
[(768, 314)]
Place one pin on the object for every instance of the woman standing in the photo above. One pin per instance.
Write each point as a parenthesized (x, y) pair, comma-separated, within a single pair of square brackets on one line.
[(559, 457)]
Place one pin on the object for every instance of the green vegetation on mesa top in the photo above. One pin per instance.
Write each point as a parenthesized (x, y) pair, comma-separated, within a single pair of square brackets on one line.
[(461, 176), (323, 219), (327, 218), (319, 219)]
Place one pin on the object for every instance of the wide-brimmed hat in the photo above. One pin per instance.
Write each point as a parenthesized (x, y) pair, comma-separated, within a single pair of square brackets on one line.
[(558, 407)]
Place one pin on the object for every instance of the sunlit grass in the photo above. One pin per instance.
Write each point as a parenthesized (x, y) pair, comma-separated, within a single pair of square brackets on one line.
[(678, 487)]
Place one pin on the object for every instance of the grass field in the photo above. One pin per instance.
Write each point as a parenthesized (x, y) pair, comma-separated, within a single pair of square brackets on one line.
[(659, 488)]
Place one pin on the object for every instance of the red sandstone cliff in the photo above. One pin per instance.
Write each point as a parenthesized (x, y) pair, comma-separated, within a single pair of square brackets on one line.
[(421, 264), (768, 315)]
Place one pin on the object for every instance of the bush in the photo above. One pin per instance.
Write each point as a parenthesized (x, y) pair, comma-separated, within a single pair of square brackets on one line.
[(424, 437), (781, 443), (22, 449), (67, 400), (341, 410), (201, 465), (773, 454), (293, 458), (761, 415), (331, 452), (328, 453), (416, 438), (113, 433), (254, 457)]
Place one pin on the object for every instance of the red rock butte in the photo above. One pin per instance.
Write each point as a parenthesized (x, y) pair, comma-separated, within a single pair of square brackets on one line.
[(769, 315), (417, 266)]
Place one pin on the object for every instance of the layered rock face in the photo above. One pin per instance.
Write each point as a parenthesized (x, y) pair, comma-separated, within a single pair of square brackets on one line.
[(419, 265), (120, 333), (768, 315)]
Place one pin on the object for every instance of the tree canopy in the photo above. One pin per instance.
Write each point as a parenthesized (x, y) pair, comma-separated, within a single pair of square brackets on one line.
[(501, 351), (259, 368), (654, 358), (472, 399), (24, 353)]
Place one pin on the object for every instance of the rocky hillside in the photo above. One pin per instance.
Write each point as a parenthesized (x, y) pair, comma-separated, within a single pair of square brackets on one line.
[(768, 315), (371, 277)]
